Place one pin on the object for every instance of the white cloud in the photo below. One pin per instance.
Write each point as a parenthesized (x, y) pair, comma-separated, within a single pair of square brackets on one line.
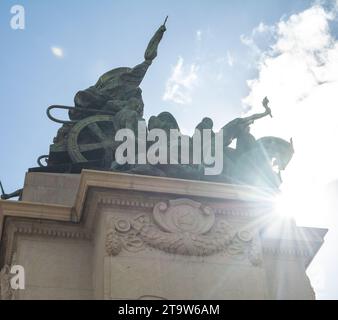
[(230, 59), (262, 28), (180, 85), (258, 42), (304, 32), (57, 51), (299, 73), (249, 41)]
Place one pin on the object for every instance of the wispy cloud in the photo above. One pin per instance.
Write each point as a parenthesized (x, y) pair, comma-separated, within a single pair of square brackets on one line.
[(198, 35), (57, 52), (230, 59), (181, 83), (258, 42), (263, 28)]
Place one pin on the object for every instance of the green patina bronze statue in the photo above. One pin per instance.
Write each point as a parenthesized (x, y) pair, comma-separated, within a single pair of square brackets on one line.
[(114, 102), (87, 139), (119, 87)]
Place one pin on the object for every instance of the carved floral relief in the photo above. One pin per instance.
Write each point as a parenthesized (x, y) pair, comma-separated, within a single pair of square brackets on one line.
[(182, 227)]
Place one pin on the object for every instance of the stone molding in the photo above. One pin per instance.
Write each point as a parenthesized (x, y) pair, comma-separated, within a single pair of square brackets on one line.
[(286, 251), (52, 231), (45, 229), (118, 181), (169, 186), (228, 209), (33, 211), (115, 189)]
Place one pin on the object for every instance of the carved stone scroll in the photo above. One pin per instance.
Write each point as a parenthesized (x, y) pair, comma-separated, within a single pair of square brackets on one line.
[(182, 227)]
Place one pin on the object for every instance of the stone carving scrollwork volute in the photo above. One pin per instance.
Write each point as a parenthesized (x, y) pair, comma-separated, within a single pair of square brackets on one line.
[(183, 227)]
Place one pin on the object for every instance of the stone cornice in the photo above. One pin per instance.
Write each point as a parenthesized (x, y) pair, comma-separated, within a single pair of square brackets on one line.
[(109, 180), (305, 243), (47, 229), (96, 186), (29, 210), (182, 187), (179, 187), (227, 209)]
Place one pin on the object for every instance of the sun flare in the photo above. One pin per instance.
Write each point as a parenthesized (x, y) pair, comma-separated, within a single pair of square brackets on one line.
[(302, 203)]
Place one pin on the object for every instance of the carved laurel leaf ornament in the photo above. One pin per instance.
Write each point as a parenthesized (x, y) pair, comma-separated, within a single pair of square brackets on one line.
[(183, 227)]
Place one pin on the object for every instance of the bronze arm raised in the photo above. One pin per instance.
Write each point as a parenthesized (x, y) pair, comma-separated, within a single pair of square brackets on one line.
[(137, 74), (257, 116)]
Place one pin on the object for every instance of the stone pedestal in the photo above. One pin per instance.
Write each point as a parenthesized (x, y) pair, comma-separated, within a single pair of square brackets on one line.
[(102, 235)]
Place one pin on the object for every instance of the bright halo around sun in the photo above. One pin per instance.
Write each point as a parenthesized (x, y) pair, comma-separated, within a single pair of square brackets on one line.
[(284, 206), (302, 203)]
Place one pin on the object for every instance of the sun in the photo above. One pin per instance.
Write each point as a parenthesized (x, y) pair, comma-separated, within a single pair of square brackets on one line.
[(285, 206), (303, 203)]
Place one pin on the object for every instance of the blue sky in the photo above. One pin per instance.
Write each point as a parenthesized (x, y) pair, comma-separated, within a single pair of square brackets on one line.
[(97, 36), (207, 56)]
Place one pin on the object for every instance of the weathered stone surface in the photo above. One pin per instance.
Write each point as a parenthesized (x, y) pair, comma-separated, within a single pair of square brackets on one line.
[(51, 188), (132, 237)]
